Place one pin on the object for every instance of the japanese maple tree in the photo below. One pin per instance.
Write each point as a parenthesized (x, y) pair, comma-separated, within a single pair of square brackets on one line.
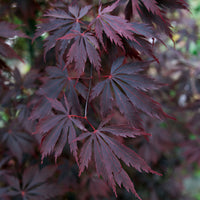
[(101, 53)]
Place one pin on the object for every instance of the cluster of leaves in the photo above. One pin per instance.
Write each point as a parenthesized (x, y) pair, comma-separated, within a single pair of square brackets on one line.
[(94, 97)]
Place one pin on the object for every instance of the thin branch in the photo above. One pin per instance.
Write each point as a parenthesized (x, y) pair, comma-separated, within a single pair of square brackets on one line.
[(88, 94)]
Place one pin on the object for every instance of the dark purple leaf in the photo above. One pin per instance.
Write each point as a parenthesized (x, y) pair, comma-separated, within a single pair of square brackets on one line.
[(108, 151), (56, 129)]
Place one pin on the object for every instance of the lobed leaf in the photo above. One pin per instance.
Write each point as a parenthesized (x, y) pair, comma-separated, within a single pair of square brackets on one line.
[(34, 184), (56, 129), (59, 23), (114, 27), (128, 88), (108, 151), (153, 12), (83, 46)]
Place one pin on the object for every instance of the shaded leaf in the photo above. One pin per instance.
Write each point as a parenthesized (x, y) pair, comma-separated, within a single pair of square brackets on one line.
[(34, 184), (56, 129), (18, 142)]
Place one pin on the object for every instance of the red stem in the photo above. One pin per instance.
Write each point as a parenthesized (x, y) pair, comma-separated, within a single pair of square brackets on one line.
[(85, 118)]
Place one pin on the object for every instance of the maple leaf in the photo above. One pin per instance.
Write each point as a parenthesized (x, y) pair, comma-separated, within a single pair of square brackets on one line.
[(107, 152), (41, 108), (151, 5), (153, 12), (129, 91), (58, 78), (54, 82), (56, 129), (161, 21), (84, 45), (173, 4), (34, 184), (144, 29), (18, 141), (142, 46), (8, 30), (59, 23), (142, 34), (114, 27)]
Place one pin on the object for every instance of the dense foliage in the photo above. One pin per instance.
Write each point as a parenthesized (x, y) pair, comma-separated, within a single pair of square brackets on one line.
[(86, 102)]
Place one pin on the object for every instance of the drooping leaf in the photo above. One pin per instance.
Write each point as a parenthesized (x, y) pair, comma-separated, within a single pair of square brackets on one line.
[(170, 4), (161, 21), (143, 34), (144, 29), (107, 152), (84, 46), (151, 5), (154, 12), (56, 129)]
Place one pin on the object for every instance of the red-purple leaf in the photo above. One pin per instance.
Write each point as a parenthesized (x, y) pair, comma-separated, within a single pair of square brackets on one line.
[(18, 142), (84, 46), (53, 86), (59, 23), (108, 151), (34, 184), (123, 131), (154, 12), (56, 130), (151, 5), (113, 26), (128, 86), (86, 153)]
